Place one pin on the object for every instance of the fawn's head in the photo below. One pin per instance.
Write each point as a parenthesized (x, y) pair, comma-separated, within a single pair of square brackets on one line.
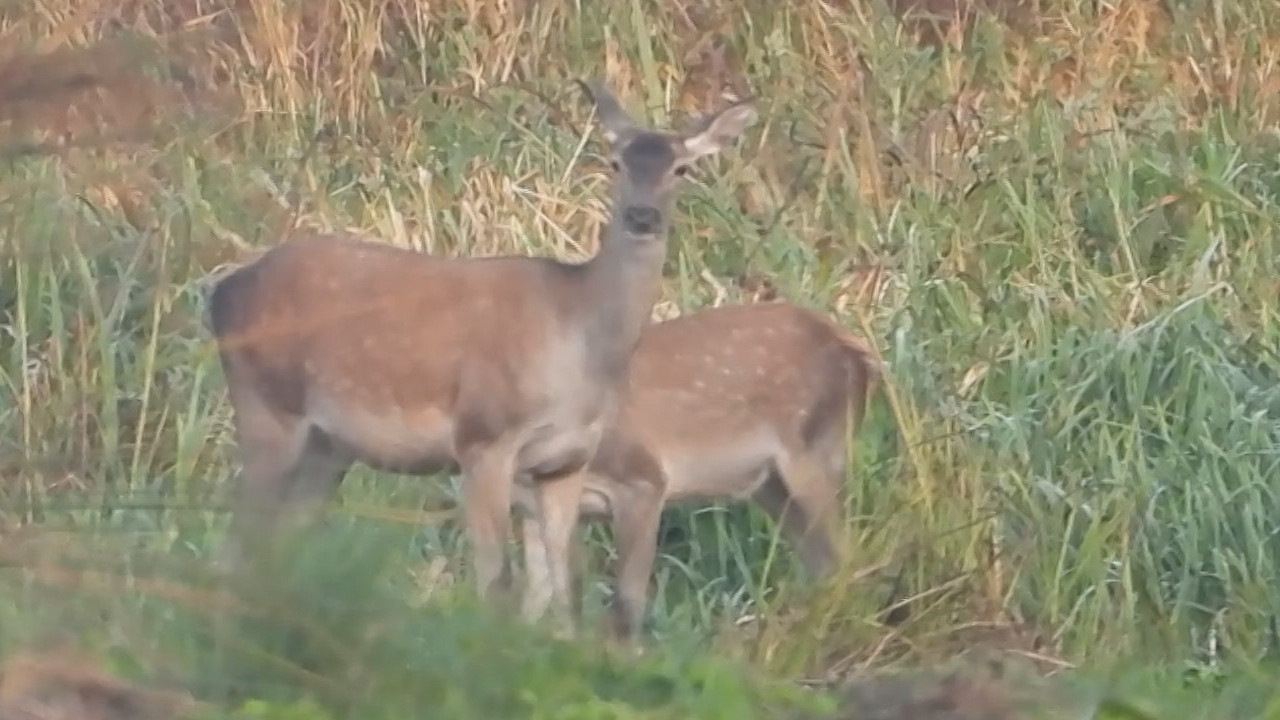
[(648, 163)]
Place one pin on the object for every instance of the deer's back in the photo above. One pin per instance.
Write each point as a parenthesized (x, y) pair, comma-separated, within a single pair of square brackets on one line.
[(721, 393), (373, 326), (730, 366)]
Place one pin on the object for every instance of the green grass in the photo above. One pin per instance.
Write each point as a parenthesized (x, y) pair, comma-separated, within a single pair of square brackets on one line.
[(1079, 437)]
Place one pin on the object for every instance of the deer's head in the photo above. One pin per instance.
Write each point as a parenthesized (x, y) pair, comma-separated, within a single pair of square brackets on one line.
[(648, 164)]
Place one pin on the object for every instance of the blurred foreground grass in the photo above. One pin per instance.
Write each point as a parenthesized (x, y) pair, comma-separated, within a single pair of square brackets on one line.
[(1060, 233), (337, 629)]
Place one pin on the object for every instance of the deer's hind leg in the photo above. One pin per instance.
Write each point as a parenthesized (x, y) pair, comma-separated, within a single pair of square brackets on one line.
[(319, 471), (271, 446), (802, 495)]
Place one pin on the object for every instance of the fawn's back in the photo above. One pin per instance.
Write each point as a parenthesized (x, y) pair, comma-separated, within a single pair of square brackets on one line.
[(719, 399)]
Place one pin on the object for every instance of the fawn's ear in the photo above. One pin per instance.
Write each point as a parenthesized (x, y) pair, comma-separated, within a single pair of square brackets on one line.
[(720, 130), (614, 121)]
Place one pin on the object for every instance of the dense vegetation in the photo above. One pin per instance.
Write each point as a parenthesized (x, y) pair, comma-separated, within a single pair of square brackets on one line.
[(1058, 223)]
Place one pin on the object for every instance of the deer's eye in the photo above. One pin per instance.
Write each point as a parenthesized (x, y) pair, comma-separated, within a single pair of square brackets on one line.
[(681, 170), (614, 165)]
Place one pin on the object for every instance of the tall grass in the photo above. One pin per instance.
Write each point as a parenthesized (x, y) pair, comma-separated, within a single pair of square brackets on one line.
[(1062, 239)]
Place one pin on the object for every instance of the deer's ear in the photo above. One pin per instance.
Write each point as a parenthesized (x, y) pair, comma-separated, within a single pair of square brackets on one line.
[(614, 121), (720, 130)]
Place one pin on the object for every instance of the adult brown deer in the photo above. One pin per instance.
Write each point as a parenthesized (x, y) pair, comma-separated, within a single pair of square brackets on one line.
[(745, 401), (338, 350)]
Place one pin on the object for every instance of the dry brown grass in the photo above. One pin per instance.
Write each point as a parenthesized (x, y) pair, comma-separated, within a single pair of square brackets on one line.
[(306, 48), (96, 87), (64, 685), (983, 691), (952, 697), (939, 22), (84, 84)]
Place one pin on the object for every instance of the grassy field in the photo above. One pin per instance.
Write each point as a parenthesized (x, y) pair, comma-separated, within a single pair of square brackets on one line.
[(1060, 230)]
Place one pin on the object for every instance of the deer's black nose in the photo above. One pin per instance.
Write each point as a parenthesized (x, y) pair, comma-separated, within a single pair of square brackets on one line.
[(642, 219)]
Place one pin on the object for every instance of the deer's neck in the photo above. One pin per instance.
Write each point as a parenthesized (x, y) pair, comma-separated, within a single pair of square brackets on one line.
[(622, 283)]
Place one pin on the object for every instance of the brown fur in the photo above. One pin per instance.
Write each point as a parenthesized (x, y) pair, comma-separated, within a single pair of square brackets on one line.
[(338, 350), (747, 401)]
